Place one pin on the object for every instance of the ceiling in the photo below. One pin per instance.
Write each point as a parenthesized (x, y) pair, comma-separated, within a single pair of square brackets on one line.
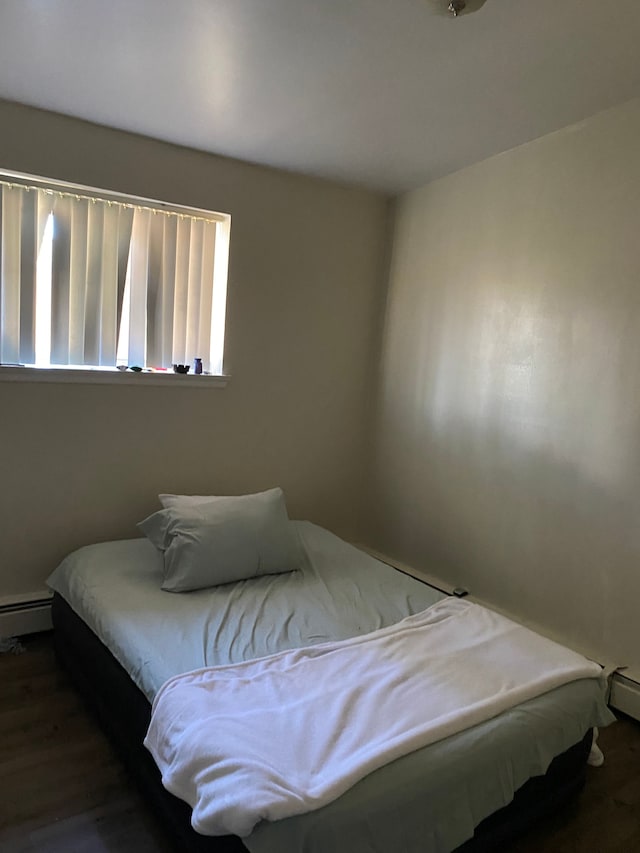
[(382, 93)]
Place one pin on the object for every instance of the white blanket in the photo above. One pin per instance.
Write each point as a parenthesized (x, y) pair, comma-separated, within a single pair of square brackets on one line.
[(286, 734)]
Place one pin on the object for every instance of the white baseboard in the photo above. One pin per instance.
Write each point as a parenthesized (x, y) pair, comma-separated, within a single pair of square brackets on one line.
[(625, 696), (25, 614)]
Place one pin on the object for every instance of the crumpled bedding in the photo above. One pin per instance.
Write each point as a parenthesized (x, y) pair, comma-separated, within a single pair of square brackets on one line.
[(283, 735)]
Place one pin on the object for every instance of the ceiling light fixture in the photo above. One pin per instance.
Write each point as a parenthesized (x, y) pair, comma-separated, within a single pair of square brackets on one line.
[(455, 8)]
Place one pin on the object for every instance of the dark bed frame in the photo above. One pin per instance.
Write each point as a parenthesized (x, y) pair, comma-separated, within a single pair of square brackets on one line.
[(124, 713)]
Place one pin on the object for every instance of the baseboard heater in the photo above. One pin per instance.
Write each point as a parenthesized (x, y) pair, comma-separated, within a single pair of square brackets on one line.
[(625, 695), (25, 614)]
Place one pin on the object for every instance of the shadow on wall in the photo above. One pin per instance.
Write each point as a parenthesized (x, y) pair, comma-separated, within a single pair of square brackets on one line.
[(520, 527)]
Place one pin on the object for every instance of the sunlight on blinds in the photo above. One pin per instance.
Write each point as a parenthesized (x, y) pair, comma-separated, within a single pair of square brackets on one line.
[(43, 296), (95, 282)]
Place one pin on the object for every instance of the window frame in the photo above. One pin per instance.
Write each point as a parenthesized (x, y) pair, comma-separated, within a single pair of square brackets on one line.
[(93, 374)]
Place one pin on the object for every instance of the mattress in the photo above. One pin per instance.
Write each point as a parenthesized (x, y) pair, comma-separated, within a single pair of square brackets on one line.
[(434, 797)]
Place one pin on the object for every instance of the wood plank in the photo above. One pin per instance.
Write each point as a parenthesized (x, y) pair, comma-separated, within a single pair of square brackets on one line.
[(63, 787)]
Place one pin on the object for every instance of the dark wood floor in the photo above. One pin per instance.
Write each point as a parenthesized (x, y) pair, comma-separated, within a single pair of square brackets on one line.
[(62, 789)]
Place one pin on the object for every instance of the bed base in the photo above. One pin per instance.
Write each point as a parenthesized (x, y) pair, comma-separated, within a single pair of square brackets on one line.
[(124, 713)]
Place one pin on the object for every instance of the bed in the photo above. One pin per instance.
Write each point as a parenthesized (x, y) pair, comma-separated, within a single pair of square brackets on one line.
[(122, 637)]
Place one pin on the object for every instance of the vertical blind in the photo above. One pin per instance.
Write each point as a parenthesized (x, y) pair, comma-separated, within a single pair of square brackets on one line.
[(92, 281)]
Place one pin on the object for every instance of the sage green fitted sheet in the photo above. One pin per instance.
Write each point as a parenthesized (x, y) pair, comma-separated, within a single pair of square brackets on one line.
[(426, 802)]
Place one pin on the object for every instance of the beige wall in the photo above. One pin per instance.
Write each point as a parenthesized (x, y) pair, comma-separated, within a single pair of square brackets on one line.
[(81, 463), (509, 429)]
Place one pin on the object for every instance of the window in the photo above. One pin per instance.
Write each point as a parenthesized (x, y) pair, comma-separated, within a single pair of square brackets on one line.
[(96, 279)]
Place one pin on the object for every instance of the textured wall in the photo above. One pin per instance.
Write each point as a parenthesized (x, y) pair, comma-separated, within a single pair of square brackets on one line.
[(81, 463), (509, 431)]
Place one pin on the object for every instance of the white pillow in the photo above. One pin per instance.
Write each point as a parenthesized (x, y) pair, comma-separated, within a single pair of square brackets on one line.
[(208, 541), (170, 501)]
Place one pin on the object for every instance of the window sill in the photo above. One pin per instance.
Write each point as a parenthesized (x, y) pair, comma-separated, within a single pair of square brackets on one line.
[(108, 377)]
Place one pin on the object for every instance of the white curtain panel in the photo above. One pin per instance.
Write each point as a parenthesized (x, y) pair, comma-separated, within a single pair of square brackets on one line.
[(90, 251), (11, 276), (171, 287), (117, 282), (23, 216)]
